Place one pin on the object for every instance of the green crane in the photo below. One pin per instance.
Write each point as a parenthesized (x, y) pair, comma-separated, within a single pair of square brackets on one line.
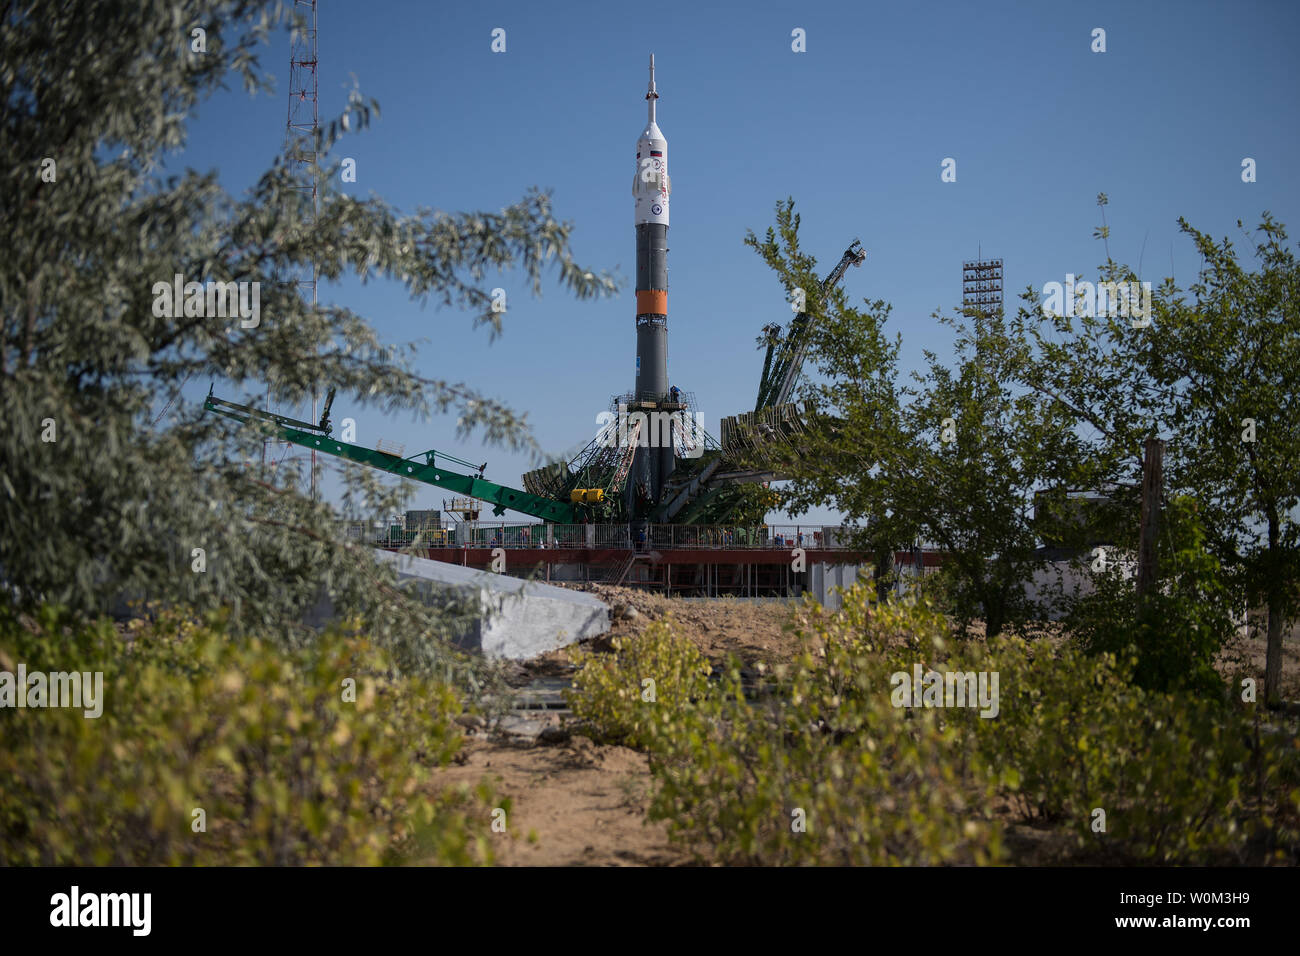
[(429, 471), (712, 491), (785, 352)]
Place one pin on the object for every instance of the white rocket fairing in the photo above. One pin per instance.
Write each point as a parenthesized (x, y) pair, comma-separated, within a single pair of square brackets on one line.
[(651, 187)]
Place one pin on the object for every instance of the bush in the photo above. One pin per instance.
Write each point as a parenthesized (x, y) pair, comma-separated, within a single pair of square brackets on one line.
[(1173, 634), (286, 769), (816, 765), (626, 697), (1174, 774)]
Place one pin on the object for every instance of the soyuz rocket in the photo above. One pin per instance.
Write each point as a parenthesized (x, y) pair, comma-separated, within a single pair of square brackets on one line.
[(651, 188)]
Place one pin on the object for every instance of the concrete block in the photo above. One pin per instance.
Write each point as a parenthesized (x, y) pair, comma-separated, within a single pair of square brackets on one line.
[(520, 619)]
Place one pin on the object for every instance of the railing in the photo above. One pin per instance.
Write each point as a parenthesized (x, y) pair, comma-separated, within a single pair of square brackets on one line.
[(707, 537), (612, 536), (390, 534), (493, 534), (568, 536)]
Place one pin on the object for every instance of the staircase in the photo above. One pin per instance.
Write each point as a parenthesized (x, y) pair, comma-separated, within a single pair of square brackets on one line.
[(618, 574)]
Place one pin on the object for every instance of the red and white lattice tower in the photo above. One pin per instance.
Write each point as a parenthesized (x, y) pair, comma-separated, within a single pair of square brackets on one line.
[(301, 136)]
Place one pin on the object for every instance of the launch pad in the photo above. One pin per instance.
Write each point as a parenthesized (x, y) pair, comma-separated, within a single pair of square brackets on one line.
[(653, 499)]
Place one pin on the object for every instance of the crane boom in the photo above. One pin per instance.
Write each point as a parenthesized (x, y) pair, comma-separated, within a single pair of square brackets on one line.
[(318, 438), (784, 359), (773, 419)]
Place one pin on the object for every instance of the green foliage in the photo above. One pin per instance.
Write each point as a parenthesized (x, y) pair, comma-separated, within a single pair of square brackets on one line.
[(611, 693), (1213, 374), (817, 767), (134, 475), (743, 505), (819, 743), (972, 490), (1177, 776), (286, 769), (844, 459), (952, 459), (1174, 633)]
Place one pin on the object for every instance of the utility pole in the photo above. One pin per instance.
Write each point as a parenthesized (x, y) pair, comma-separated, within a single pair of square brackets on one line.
[(1152, 485)]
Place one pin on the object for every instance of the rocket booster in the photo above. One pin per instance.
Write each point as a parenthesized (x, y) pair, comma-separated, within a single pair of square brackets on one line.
[(651, 189)]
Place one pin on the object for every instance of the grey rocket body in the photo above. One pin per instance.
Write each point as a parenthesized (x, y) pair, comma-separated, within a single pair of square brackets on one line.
[(651, 327)]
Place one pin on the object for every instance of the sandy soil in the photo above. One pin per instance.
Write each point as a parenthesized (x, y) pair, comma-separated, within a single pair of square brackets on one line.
[(586, 802), (753, 631), (1246, 657)]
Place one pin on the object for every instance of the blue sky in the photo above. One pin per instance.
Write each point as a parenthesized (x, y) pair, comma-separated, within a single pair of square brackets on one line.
[(855, 129)]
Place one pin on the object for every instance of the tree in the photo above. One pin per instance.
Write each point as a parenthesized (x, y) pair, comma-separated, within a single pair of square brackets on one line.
[(1212, 370), (843, 459), (101, 493), (954, 458), (979, 451), (1174, 632), (1227, 364)]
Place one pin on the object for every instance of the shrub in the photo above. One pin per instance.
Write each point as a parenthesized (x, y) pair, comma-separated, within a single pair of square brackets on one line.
[(1167, 769), (627, 696), (1174, 633), (285, 769), (816, 765)]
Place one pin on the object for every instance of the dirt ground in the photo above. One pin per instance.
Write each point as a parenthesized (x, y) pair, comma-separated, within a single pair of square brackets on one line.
[(753, 631), (585, 803)]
